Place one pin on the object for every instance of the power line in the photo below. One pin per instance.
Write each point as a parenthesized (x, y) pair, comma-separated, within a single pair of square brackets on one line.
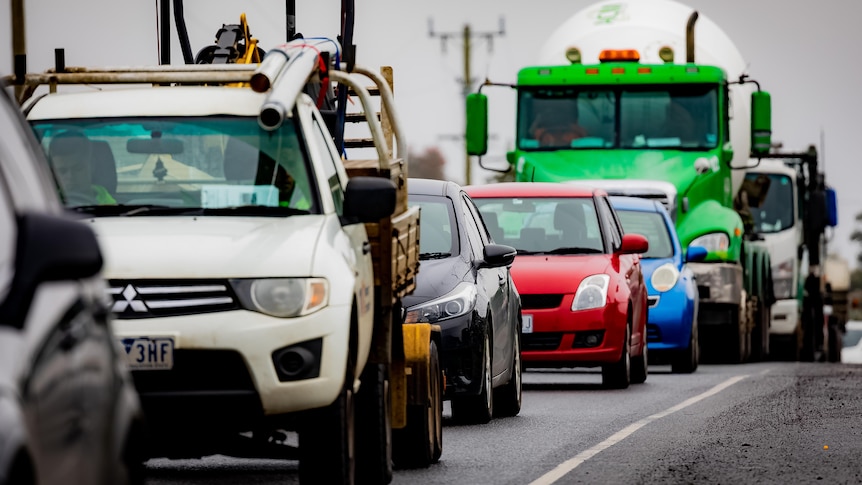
[(466, 35)]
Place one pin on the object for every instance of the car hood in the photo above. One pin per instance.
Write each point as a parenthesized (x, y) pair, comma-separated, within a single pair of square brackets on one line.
[(437, 277), (538, 274), (207, 247)]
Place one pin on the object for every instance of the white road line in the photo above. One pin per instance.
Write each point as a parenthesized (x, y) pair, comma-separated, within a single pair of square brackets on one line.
[(561, 470)]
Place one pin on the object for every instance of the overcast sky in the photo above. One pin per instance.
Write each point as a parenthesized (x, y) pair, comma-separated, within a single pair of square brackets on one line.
[(803, 52)]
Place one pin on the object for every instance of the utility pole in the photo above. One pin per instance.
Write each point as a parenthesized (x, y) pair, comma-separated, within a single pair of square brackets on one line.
[(466, 36)]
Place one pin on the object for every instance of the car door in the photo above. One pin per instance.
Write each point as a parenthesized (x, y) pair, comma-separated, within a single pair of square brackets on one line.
[(496, 283)]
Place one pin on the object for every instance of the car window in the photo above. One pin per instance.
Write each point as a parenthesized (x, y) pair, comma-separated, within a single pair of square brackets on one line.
[(477, 219), (438, 234), (329, 166), (473, 236), (652, 226), (611, 222)]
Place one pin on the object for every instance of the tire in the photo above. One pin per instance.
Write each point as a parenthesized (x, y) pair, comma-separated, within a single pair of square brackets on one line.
[(760, 335), (507, 399), (326, 443), (687, 360), (420, 443), (640, 367), (373, 426), (618, 374), (477, 409)]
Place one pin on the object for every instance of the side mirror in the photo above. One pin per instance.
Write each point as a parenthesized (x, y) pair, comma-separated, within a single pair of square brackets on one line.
[(498, 255), (761, 124), (477, 124), (50, 248), (695, 254), (369, 199), (634, 244), (831, 207)]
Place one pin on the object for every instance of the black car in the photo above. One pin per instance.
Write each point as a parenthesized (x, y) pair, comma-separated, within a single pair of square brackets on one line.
[(68, 410), (464, 286)]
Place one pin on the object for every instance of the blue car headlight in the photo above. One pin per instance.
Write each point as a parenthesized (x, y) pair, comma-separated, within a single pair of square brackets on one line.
[(664, 277), (592, 292), (457, 302)]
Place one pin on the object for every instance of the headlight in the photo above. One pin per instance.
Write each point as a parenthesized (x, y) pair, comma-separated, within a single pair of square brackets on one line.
[(283, 297), (715, 241), (664, 278), (457, 302), (782, 279), (592, 292)]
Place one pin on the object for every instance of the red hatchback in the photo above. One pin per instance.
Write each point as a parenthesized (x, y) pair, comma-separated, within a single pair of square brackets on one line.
[(582, 292)]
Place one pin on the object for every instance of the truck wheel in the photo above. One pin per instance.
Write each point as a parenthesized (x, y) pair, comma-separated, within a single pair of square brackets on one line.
[(618, 374), (477, 409), (640, 369), (507, 399), (760, 334), (374, 428), (687, 360), (326, 442), (420, 443)]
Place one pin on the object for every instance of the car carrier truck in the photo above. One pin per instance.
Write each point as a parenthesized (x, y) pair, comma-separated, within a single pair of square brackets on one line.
[(647, 98), (256, 274)]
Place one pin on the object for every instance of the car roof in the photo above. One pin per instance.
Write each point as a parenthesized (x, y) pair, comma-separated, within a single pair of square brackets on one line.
[(420, 186), (532, 189), (640, 204)]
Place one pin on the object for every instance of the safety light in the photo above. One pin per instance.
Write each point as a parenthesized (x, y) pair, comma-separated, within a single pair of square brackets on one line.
[(592, 70), (573, 54), (624, 55), (644, 70), (666, 54)]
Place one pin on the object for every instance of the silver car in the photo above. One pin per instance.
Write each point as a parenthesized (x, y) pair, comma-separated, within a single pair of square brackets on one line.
[(68, 409)]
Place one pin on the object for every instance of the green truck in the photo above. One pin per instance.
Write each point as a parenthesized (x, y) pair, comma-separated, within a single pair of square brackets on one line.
[(619, 101)]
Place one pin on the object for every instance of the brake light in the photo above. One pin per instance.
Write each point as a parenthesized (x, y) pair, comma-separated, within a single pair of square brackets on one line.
[(623, 55)]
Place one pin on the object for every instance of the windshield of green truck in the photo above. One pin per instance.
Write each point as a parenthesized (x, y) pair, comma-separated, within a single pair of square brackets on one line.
[(683, 117), (163, 166), (770, 201)]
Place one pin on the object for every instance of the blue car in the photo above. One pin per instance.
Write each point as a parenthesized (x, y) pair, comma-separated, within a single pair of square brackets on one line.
[(673, 297)]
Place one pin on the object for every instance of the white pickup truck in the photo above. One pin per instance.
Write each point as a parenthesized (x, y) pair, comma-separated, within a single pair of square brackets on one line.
[(256, 282)]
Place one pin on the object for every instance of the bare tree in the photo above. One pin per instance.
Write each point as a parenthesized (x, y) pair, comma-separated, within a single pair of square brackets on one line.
[(427, 165)]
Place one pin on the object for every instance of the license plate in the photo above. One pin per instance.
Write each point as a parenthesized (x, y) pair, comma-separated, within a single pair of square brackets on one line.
[(526, 323), (149, 353)]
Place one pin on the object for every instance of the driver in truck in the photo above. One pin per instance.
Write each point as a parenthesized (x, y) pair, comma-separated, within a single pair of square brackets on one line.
[(555, 127), (70, 154)]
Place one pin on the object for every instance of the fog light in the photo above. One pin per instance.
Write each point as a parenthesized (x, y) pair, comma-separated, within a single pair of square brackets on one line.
[(592, 340)]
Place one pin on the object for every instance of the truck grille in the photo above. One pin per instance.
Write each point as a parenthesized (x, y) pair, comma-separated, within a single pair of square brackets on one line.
[(152, 299)]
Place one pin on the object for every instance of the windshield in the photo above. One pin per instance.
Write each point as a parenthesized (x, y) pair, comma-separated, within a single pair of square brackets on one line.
[(770, 201), (200, 165), (437, 220), (544, 225), (683, 117), (652, 226), (852, 337)]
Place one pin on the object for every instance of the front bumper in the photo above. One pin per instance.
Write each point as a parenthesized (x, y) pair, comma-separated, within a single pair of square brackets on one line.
[(461, 356), (560, 336), (785, 317), (670, 321), (718, 282), (225, 361)]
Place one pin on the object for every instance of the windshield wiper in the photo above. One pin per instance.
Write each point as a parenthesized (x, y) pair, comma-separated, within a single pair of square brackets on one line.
[(434, 255), (252, 210), (574, 250), (124, 209)]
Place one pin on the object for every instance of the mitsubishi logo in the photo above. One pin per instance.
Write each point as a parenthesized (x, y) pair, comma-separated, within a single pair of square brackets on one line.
[(130, 295)]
